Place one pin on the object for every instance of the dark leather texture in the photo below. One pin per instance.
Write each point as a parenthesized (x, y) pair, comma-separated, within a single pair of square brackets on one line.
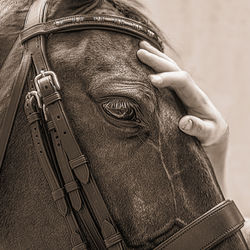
[(103, 22), (7, 124), (208, 230)]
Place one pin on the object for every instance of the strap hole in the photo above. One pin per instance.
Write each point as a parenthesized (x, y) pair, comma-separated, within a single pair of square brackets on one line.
[(65, 132), (46, 87), (41, 151), (58, 117), (57, 137), (58, 144)]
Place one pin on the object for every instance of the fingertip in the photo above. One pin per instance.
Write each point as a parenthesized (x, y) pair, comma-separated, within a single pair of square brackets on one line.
[(144, 44), (186, 124), (141, 52), (156, 79)]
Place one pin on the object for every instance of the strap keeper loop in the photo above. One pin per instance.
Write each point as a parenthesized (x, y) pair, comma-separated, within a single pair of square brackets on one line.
[(81, 246), (33, 117), (58, 194), (77, 162), (47, 100), (50, 125), (112, 240), (71, 186)]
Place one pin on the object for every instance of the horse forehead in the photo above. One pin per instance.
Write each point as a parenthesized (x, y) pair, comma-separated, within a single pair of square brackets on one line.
[(102, 53), (61, 8)]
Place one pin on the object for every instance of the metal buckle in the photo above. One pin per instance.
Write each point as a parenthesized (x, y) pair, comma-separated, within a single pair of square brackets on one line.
[(53, 79), (35, 94), (45, 113)]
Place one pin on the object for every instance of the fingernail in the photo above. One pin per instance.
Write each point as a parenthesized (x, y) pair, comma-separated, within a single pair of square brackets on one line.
[(145, 43), (155, 79), (188, 125), (141, 52)]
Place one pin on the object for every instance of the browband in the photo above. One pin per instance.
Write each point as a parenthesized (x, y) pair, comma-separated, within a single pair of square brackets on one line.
[(87, 22)]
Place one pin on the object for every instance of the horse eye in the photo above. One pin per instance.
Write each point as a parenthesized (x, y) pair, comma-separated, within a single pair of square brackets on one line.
[(120, 110)]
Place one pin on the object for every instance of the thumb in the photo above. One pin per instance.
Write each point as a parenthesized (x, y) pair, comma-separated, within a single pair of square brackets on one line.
[(192, 125)]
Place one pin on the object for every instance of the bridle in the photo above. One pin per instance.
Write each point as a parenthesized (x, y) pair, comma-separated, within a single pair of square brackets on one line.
[(64, 164)]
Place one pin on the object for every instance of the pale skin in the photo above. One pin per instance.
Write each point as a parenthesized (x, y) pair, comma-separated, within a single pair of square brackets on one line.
[(203, 120)]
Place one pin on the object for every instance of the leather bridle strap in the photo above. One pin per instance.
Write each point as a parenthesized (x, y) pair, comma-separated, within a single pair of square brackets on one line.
[(10, 114), (72, 188), (64, 168), (77, 160), (91, 22), (46, 83), (58, 193), (208, 230)]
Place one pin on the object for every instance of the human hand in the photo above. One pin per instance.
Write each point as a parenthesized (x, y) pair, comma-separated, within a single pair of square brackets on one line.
[(203, 120)]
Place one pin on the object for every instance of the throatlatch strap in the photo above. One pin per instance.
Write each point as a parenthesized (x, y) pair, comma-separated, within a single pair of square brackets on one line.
[(208, 230)]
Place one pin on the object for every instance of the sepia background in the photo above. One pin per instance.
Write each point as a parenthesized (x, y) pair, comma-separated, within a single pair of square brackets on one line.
[(212, 39)]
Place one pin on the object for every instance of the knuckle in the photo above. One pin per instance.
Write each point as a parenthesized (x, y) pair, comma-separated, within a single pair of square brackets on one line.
[(185, 76), (224, 129), (221, 124), (198, 130), (197, 126)]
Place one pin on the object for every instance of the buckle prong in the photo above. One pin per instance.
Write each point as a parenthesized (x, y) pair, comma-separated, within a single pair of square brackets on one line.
[(36, 95)]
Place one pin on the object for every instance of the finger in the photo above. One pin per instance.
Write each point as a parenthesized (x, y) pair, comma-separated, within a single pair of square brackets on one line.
[(184, 86), (194, 126), (147, 46), (157, 63)]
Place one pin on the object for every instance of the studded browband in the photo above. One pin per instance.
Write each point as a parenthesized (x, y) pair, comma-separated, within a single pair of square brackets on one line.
[(88, 22), (65, 166)]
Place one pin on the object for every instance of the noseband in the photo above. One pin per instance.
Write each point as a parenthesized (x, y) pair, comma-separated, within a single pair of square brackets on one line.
[(65, 166)]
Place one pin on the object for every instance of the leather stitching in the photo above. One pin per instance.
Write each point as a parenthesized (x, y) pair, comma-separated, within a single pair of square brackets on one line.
[(190, 226), (220, 237)]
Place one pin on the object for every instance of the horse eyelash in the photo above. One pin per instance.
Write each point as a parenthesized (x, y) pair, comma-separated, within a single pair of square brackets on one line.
[(120, 104)]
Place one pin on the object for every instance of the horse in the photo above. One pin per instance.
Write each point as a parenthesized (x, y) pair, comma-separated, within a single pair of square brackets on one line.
[(154, 179)]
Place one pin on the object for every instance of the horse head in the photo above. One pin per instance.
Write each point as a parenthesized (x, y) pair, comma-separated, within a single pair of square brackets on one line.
[(153, 178)]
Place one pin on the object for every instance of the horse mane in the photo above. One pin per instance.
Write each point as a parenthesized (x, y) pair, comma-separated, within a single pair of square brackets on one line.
[(133, 9)]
